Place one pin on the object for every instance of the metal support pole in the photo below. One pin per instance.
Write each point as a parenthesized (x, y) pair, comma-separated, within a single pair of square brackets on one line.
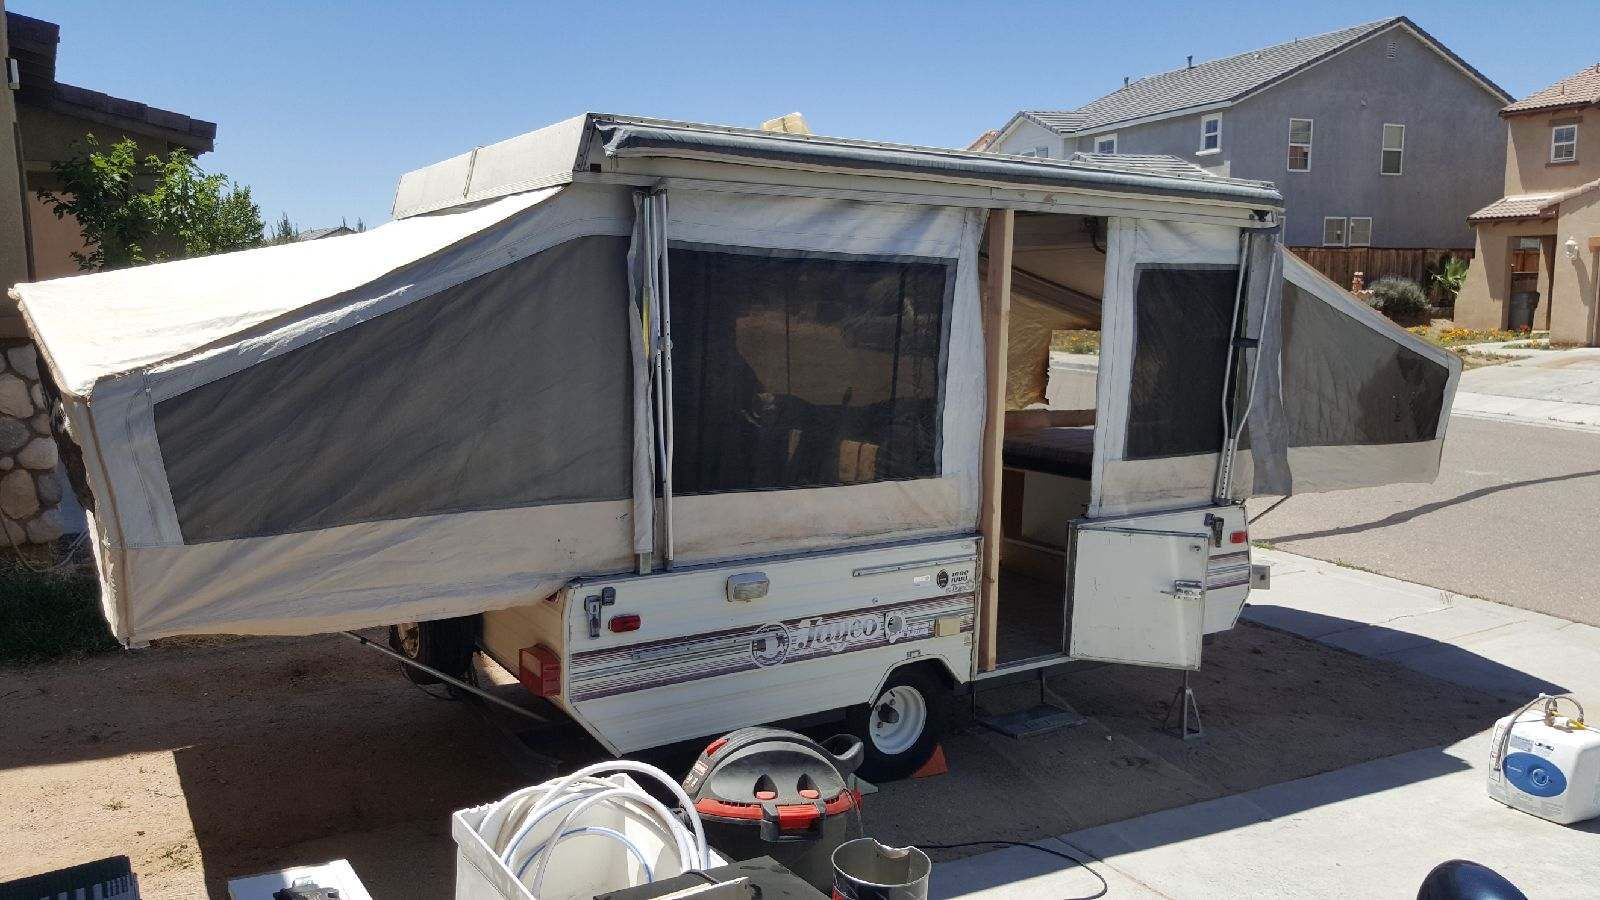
[(1186, 709), (453, 682)]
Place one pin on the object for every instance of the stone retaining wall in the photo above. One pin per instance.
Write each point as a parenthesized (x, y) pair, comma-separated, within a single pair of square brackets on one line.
[(30, 490)]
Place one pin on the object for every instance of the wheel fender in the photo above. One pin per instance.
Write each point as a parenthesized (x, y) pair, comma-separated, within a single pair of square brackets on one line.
[(936, 665)]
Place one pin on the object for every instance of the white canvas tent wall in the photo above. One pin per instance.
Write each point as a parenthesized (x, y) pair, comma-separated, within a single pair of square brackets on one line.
[(457, 395)]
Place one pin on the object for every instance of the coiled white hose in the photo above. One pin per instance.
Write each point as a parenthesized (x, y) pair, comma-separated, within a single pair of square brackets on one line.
[(518, 815)]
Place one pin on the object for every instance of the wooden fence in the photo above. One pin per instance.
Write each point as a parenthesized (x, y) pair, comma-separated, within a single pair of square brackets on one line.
[(1341, 264)]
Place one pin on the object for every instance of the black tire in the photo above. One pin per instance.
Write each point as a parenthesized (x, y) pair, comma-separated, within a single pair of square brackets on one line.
[(902, 756), (443, 644)]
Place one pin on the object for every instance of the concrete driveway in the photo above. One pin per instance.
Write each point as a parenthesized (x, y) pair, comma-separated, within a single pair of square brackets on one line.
[(1512, 517)]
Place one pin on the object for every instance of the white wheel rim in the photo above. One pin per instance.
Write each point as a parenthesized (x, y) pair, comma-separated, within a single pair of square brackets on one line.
[(898, 719)]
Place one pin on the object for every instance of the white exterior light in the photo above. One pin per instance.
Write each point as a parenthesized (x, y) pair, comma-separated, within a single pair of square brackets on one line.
[(1572, 248)]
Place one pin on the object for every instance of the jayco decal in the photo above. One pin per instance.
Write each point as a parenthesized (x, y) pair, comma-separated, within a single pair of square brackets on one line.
[(776, 643), (618, 670)]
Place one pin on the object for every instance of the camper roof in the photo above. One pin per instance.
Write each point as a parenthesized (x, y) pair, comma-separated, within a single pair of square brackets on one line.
[(598, 146)]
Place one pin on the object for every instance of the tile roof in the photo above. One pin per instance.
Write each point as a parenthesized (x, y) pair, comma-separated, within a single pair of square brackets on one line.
[(1150, 164), (317, 234), (1528, 206), (34, 44), (1581, 89), (1516, 206), (985, 140), (1207, 82), (1226, 80)]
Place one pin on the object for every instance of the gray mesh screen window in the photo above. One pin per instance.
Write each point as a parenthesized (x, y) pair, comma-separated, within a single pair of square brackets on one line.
[(1346, 384), (508, 390), (1182, 316), (805, 369)]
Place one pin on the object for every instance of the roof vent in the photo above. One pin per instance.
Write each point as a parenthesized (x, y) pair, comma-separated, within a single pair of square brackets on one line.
[(1392, 51), (1191, 60), (1125, 80)]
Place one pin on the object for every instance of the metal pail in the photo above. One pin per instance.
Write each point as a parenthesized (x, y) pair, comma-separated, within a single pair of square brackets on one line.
[(864, 869)]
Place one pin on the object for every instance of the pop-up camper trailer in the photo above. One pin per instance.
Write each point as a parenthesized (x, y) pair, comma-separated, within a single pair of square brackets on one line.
[(706, 427)]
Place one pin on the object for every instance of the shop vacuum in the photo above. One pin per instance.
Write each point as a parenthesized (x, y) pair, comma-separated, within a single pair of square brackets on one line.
[(770, 792)]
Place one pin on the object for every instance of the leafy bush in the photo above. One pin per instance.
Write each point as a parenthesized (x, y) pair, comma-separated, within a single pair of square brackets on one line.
[(132, 211), (50, 615), (1399, 298)]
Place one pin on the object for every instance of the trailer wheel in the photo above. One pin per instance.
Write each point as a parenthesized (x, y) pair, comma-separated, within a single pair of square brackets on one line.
[(443, 644), (900, 729)]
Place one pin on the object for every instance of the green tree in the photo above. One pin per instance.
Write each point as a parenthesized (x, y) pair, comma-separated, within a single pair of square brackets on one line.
[(134, 211), (283, 231)]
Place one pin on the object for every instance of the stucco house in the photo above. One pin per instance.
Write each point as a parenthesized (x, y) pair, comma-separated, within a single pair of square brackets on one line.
[(1539, 244), (51, 116), (1377, 135), (40, 119)]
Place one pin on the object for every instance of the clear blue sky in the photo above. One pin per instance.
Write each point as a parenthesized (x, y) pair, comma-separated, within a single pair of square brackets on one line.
[(321, 106)]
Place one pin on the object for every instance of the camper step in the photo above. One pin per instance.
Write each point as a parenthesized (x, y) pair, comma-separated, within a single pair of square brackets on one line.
[(1041, 719), (1052, 713)]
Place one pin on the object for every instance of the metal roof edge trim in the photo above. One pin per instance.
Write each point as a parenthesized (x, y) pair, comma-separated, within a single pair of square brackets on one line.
[(624, 137)]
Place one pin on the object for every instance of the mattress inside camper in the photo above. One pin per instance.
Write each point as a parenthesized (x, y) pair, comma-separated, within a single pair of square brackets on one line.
[(1064, 451)]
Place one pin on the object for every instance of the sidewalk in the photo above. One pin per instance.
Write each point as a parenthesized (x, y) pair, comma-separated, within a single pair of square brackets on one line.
[(1370, 830), (1557, 388)]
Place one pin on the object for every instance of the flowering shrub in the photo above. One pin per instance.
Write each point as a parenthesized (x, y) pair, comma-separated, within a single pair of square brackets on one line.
[(1455, 337)]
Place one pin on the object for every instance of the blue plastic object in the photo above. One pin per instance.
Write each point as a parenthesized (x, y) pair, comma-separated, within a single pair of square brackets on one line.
[(1534, 775), (1461, 879)]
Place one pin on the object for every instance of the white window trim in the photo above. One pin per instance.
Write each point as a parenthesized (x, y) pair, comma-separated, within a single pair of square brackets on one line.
[(1308, 144), (1344, 231), (1350, 231), (1554, 143), (1100, 139), (1383, 148), (1204, 121)]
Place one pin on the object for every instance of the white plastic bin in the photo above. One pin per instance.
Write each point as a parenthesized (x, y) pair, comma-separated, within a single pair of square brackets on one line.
[(583, 865)]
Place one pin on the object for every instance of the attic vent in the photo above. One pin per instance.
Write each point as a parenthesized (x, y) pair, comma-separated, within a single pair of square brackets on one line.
[(1393, 51)]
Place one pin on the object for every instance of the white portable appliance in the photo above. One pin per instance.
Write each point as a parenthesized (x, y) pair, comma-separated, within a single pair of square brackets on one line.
[(1547, 764)]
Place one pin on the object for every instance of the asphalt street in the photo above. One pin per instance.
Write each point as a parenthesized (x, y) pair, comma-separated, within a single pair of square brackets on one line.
[(1513, 517)]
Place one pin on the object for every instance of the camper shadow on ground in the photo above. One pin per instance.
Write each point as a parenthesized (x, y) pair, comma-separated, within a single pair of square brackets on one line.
[(231, 758), (1276, 708)]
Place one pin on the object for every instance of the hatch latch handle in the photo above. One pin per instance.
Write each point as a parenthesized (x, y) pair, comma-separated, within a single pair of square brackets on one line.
[(594, 603)]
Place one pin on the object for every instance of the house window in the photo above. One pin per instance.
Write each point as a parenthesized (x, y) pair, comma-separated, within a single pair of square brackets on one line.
[(1299, 145), (1105, 144), (1042, 152), (1333, 231), (1360, 231), (1210, 134), (1564, 144), (1394, 149)]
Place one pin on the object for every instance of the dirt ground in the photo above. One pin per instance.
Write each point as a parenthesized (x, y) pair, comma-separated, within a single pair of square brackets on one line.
[(207, 760)]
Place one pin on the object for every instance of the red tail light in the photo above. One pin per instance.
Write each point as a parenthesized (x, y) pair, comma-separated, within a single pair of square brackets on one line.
[(539, 670), (622, 623), (1238, 537)]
